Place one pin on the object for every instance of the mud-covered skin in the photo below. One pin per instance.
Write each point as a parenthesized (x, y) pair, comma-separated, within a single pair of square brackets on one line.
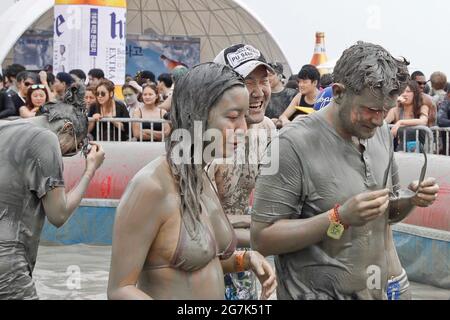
[(29, 168), (338, 155)]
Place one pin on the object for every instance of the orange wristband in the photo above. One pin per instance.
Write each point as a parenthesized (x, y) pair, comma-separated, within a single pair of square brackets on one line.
[(334, 216), (239, 260)]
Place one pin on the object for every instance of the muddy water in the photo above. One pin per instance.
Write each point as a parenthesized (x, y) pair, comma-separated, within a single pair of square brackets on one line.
[(80, 272)]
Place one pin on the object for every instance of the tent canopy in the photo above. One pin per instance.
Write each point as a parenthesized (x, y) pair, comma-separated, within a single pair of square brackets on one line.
[(218, 24)]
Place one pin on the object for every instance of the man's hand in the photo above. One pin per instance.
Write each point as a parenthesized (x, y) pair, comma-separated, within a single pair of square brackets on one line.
[(427, 193), (95, 158), (364, 207), (264, 272)]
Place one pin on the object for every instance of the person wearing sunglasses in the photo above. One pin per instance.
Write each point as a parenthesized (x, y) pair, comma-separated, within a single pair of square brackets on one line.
[(32, 187), (424, 89), (37, 96), (108, 107), (326, 214), (25, 79)]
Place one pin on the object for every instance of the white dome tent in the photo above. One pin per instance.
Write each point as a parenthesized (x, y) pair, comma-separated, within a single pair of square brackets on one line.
[(218, 24)]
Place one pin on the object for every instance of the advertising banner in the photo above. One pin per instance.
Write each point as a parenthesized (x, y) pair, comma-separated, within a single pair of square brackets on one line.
[(160, 54), (90, 34), (34, 50)]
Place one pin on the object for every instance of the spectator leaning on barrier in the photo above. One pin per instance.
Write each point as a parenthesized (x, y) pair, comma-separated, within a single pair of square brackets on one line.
[(410, 111), (89, 97), (131, 92), (108, 107), (150, 110)]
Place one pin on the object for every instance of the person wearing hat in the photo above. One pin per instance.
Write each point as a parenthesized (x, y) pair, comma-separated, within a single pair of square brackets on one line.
[(281, 96), (62, 82), (235, 182)]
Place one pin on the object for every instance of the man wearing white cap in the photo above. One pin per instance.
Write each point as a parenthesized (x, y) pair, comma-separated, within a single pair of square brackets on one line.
[(235, 182)]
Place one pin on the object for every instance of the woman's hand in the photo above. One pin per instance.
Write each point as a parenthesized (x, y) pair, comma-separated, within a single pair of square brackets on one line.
[(264, 272), (394, 129), (97, 117)]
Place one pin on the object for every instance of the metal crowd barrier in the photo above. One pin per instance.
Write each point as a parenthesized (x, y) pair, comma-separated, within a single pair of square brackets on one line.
[(433, 142), (429, 142), (130, 121), (439, 132)]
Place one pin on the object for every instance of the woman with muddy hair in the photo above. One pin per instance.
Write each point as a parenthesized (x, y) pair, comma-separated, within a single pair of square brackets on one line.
[(171, 238)]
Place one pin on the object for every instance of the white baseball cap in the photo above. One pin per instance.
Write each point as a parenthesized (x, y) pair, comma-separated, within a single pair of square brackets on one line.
[(243, 58)]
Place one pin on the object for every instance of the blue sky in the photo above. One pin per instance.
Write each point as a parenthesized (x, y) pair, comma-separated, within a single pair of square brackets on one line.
[(417, 30)]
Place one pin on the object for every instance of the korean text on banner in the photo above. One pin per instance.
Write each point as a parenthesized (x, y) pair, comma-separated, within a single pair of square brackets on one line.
[(77, 44)]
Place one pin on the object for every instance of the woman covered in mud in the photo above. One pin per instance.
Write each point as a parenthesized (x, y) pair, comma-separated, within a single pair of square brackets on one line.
[(171, 238)]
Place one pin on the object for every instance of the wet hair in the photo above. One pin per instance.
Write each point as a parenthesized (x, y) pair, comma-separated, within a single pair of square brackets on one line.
[(309, 72), (154, 88), (96, 73), (166, 79), (71, 109), (417, 98), (438, 80), (79, 73), (366, 65), (29, 103), (416, 74), (195, 94)]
